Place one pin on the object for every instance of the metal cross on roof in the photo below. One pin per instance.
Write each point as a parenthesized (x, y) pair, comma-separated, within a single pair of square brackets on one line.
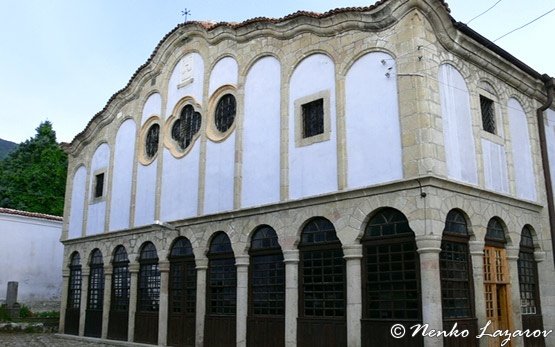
[(185, 13)]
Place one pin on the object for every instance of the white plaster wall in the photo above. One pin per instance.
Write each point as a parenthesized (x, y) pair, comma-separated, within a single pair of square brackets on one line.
[(522, 152), (193, 89), (550, 140), (373, 135), (76, 212), (97, 210), (495, 166), (145, 194), (261, 134), (460, 151), (124, 153), (180, 178), (312, 168), (31, 255), (220, 156)]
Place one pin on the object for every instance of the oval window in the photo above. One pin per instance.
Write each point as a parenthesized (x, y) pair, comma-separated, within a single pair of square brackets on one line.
[(225, 112)]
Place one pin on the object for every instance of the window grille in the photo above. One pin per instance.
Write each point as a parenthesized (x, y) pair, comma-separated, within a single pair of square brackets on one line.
[(527, 274), (455, 268), (225, 112), (392, 288), (222, 277), (183, 278), (152, 138), (495, 232), (322, 271), (267, 274), (96, 282), (488, 114), (186, 126), (149, 280), (121, 281), (74, 292), (313, 118), (99, 185)]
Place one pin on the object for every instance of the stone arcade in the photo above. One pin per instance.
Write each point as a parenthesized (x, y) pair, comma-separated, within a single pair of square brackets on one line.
[(313, 181)]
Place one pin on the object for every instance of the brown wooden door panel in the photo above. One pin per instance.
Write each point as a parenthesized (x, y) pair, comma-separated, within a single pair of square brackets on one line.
[(321, 332), (266, 331), (146, 327), (93, 323), (118, 325), (220, 331), (471, 325), (181, 330), (533, 322), (378, 333), (72, 321)]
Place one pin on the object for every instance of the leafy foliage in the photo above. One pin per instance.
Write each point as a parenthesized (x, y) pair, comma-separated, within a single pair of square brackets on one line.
[(6, 147), (32, 178)]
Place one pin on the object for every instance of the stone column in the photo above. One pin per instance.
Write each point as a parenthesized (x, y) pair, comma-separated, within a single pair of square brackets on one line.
[(83, 304), (429, 247), (63, 304), (242, 264), (476, 249), (291, 260), (107, 300), (133, 288), (201, 266), (164, 267), (353, 256), (513, 290)]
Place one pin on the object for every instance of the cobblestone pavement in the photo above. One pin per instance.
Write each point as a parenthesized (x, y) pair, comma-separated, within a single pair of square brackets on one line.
[(42, 340)]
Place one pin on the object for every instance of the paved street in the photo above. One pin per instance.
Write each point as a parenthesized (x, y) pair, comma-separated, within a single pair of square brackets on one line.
[(42, 340)]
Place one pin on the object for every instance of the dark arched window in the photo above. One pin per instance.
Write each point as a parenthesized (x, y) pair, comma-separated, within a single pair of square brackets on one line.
[(182, 294), (221, 294), (391, 278), (455, 266), (495, 234), (321, 284), (95, 297), (119, 303), (71, 325), (148, 296)]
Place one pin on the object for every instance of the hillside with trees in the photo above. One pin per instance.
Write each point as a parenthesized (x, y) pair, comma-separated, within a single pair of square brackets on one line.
[(33, 176), (6, 147)]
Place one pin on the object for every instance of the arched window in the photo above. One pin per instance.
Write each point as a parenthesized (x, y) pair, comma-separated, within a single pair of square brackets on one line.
[(455, 266), (496, 277), (182, 294), (221, 295), (73, 307), (391, 278), (321, 286), (530, 307), (95, 297), (119, 304), (146, 319), (266, 323)]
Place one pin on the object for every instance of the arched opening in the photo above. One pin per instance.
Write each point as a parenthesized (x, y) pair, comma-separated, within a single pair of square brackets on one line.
[(390, 280), (148, 296), (182, 294), (266, 314), (73, 307), (457, 296), (322, 299), (530, 307), (496, 280), (119, 303), (95, 297), (221, 294)]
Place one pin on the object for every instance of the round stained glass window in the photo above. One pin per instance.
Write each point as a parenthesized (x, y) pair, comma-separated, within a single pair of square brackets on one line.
[(151, 141), (186, 127), (225, 112)]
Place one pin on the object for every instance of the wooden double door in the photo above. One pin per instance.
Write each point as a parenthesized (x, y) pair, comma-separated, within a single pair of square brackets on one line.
[(182, 302), (497, 292)]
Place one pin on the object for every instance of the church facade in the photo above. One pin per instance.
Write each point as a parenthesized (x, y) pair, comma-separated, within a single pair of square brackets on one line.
[(325, 179)]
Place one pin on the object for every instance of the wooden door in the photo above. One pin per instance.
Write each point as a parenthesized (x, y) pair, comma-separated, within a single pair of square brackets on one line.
[(182, 301), (73, 308), (497, 289), (95, 297), (119, 303)]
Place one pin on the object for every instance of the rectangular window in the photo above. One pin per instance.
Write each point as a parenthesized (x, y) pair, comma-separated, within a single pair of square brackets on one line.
[(99, 185), (488, 114), (313, 118)]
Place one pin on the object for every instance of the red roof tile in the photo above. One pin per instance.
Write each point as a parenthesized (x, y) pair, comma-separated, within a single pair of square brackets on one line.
[(30, 214)]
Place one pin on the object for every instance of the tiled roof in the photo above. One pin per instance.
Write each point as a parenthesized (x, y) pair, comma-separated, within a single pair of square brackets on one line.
[(30, 214)]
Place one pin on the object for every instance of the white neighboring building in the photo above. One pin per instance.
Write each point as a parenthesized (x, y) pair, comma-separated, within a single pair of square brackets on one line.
[(31, 255)]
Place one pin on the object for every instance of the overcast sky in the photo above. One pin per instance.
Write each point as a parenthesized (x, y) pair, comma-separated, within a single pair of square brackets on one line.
[(62, 60)]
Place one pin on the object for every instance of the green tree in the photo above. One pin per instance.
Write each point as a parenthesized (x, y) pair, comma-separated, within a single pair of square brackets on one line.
[(32, 178)]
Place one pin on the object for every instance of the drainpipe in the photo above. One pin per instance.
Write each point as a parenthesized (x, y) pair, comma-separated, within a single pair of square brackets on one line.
[(549, 85)]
